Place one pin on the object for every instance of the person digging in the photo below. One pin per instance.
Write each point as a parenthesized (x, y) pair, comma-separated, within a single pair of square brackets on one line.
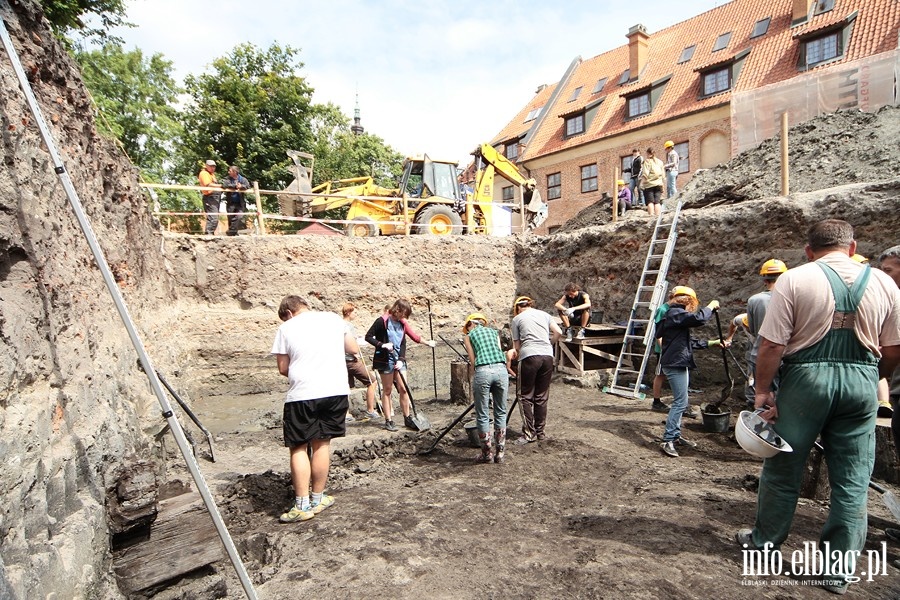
[(659, 378), (490, 381), (677, 356)]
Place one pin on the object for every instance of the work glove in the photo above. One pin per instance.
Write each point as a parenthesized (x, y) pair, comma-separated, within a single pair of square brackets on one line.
[(387, 347), (570, 312), (712, 343), (398, 366), (430, 343), (713, 305)]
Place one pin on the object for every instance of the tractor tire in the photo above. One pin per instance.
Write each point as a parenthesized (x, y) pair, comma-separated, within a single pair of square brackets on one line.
[(439, 219), (362, 227)]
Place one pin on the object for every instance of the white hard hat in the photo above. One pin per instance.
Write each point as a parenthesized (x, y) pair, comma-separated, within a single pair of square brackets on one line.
[(757, 437)]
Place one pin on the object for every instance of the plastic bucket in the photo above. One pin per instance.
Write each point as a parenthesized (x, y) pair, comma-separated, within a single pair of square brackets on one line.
[(472, 433), (716, 422)]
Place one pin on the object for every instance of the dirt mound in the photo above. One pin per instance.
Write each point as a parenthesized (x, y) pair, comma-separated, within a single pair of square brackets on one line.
[(828, 151)]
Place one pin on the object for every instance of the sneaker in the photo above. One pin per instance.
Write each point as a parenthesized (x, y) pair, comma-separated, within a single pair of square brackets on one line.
[(389, 425), (349, 418), (885, 409), (690, 413), (668, 449), (568, 334), (408, 422), (372, 414), (524, 440), (659, 405), (683, 441), (744, 538), (295, 514), (325, 503), (580, 335), (835, 586)]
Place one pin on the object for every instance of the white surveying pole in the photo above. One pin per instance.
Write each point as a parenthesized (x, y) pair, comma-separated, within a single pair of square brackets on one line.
[(116, 294)]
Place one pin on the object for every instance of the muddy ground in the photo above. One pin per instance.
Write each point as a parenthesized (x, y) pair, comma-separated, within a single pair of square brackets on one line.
[(596, 511)]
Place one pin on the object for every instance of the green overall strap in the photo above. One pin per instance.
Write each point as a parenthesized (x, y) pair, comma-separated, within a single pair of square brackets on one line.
[(846, 298)]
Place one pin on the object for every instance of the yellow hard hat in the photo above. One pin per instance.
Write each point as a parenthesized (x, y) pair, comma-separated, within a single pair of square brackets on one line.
[(474, 317), (746, 320), (683, 290), (860, 258), (620, 182), (773, 266), (669, 144), (521, 300)]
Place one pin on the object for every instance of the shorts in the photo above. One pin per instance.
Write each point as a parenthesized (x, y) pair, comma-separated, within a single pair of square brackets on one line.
[(389, 368), (319, 419), (356, 371), (652, 195)]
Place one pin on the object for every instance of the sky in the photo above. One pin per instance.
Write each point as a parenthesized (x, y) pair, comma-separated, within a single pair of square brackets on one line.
[(436, 78)]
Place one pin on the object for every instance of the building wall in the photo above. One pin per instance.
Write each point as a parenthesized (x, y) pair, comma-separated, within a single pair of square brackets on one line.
[(700, 131)]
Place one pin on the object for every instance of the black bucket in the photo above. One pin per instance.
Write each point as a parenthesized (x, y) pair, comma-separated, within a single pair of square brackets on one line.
[(716, 422)]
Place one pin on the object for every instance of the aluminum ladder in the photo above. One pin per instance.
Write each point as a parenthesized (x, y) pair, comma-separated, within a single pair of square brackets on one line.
[(651, 293)]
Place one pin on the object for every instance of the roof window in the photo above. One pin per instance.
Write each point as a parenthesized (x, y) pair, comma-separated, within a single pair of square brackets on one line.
[(600, 84), (722, 42), (533, 114), (687, 54), (575, 93), (626, 75), (761, 27), (823, 6)]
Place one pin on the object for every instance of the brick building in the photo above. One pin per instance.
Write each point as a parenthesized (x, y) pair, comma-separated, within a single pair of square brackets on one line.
[(714, 84)]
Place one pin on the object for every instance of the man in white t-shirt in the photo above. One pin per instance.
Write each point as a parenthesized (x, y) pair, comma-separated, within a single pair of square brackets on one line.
[(831, 327), (310, 347)]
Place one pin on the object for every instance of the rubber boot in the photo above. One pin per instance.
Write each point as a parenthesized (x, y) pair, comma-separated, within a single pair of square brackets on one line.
[(500, 444), (487, 451)]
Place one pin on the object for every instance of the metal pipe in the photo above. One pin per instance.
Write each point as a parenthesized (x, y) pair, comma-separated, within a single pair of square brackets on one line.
[(116, 294)]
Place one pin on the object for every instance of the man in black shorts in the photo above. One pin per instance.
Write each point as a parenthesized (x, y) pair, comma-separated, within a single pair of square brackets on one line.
[(309, 347)]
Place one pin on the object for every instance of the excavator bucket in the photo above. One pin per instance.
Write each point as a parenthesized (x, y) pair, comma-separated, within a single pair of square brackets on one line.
[(535, 209)]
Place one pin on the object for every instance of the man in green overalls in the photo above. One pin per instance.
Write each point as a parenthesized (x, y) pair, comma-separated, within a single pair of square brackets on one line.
[(831, 327)]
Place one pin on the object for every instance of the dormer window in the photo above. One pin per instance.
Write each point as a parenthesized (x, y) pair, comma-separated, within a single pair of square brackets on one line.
[(639, 105), (717, 81), (511, 150), (821, 49), (720, 76), (722, 42), (575, 124), (825, 45)]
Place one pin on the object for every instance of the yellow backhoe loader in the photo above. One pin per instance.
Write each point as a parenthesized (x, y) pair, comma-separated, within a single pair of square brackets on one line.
[(429, 197)]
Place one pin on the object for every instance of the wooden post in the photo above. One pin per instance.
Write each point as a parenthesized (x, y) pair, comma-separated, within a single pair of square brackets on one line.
[(615, 198), (260, 219), (785, 173)]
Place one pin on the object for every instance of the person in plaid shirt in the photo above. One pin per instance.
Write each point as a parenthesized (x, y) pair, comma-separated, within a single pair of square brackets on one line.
[(487, 370)]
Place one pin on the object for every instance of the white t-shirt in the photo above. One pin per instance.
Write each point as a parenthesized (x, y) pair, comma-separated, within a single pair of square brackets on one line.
[(531, 328), (314, 342), (802, 305)]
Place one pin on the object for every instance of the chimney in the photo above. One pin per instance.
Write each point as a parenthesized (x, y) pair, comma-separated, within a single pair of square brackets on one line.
[(637, 50), (801, 11)]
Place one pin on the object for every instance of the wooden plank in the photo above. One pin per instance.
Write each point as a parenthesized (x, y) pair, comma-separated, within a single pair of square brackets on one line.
[(601, 354), (598, 341), (566, 353), (182, 539)]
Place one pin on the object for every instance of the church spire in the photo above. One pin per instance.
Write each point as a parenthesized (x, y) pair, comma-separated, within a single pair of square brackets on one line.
[(356, 128)]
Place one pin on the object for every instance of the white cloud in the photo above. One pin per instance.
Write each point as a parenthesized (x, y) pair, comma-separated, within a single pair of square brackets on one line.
[(432, 76)]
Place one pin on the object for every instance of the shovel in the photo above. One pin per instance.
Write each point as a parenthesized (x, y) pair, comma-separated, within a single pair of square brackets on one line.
[(887, 496), (420, 422), (190, 413), (726, 391), (433, 355), (457, 420)]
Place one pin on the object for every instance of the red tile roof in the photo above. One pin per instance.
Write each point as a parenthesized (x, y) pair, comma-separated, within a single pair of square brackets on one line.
[(772, 58)]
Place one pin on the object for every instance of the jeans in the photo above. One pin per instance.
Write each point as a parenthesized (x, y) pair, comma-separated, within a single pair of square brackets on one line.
[(235, 205), (490, 382), (678, 380), (671, 175), (637, 195)]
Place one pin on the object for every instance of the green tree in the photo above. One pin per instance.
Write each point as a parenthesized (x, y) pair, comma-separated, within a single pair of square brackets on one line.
[(341, 154), (249, 110), (71, 16), (135, 97)]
